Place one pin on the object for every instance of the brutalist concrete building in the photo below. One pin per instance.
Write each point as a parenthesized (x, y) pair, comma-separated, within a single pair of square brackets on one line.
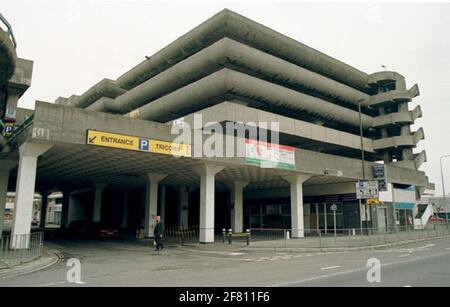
[(106, 148)]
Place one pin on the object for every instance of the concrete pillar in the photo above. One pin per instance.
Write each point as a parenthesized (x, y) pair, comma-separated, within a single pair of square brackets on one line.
[(64, 223), (5, 167), (26, 180), (162, 204), (125, 209), (97, 207), (207, 173), (183, 207), (151, 202), (297, 219), (44, 203), (237, 205), (11, 103)]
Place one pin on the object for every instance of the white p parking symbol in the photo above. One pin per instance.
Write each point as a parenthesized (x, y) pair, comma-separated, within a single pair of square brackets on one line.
[(143, 144)]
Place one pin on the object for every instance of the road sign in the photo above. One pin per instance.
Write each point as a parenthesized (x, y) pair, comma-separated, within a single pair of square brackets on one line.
[(333, 207), (373, 201), (367, 189), (379, 174), (127, 142), (9, 129)]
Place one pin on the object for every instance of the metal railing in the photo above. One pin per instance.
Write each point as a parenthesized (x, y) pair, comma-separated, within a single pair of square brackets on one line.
[(180, 234), (343, 238), (9, 30), (19, 249)]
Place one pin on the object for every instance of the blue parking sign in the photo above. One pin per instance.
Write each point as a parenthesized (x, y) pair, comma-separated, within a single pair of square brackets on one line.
[(143, 144)]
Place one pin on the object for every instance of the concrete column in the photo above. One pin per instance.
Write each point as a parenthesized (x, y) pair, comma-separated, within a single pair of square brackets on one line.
[(297, 219), (207, 173), (162, 204), (44, 203), (237, 205), (65, 210), (125, 209), (183, 207), (151, 202), (97, 207), (5, 167), (26, 180), (11, 103)]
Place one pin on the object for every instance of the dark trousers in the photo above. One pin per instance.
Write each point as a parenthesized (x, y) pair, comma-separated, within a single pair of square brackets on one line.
[(159, 242)]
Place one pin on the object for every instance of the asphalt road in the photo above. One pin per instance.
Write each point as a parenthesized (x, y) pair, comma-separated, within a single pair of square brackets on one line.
[(130, 264)]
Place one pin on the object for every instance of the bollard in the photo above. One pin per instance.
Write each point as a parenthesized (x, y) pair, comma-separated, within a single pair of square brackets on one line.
[(248, 236), (230, 235), (288, 235), (224, 233)]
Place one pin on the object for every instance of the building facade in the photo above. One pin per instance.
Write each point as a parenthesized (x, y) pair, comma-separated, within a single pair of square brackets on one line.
[(109, 150)]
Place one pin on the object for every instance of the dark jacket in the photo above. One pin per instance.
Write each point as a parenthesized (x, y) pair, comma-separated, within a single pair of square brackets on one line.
[(158, 230)]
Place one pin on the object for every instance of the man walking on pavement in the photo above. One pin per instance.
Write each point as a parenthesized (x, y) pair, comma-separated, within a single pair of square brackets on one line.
[(158, 234)]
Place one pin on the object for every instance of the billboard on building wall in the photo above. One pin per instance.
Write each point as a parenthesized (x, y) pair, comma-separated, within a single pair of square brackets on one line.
[(268, 155)]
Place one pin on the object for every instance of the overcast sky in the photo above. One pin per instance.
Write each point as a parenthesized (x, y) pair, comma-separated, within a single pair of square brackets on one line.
[(76, 43)]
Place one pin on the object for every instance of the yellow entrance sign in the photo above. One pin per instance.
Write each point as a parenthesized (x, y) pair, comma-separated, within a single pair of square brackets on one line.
[(121, 141), (169, 148), (113, 140)]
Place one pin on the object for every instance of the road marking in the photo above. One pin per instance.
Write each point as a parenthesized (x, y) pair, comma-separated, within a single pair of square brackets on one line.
[(331, 267), (235, 254), (447, 249), (402, 256), (341, 273), (407, 286)]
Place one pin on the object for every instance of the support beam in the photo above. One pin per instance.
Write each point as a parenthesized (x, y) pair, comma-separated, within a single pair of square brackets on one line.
[(44, 205), (125, 209), (162, 204), (26, 181), (65, 208), (5, 167), (183, 207), (151, 202), (297, 217), (237, 205), (97, 206), (207, 173), (11, 103)]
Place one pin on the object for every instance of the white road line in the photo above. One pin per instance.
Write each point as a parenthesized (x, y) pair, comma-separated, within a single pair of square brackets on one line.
[(403, 256), (407, 286), (235, 254), (330, 267)]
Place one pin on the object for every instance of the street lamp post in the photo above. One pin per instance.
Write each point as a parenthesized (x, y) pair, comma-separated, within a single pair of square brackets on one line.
[(443, 184), (363, 158)]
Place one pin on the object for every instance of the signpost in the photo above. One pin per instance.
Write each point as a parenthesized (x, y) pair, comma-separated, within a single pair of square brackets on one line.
[(334, 208), (367, 189), (379, 173)]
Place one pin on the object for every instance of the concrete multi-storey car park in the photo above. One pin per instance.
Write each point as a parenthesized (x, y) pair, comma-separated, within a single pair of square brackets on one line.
[(228, 69)]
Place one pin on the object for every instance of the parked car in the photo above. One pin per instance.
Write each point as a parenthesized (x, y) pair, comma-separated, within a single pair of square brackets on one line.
[(92, 230), (78, 228), (107, 232), (437, 219)]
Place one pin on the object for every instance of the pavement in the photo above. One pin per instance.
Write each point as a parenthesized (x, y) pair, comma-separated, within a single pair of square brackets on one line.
[(128, 263)]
